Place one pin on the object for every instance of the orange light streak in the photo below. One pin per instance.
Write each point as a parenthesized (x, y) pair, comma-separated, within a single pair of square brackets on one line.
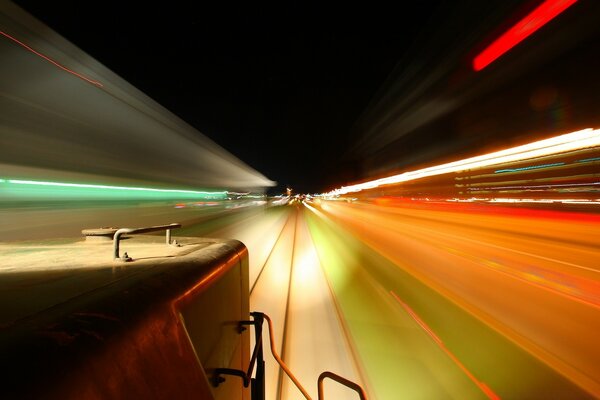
[(482, 386), (93, 82), (571, 287)]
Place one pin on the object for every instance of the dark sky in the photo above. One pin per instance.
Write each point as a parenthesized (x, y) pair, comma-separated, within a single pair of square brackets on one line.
[(278, 84)]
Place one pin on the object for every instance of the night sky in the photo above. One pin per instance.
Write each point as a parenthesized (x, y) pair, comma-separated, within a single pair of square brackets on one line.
[(280, 85)]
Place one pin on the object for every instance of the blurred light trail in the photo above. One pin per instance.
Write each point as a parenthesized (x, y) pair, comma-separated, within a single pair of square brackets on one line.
[(58, 127), (46, 217), (525, 201), (589, 160), (416, 318), (93, 82), (529, 167), (583, 139), (539, 17), (530, 275), (397, 357), (81, 191), (488, 392), (492, 294)]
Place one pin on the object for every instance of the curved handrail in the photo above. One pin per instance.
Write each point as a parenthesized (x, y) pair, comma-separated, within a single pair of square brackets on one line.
[(352, 385), (340, 379), (280, 361)]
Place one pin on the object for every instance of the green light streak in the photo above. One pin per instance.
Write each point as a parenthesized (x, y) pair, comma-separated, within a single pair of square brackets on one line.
[(28, 189), (83, 185), (589, 160), (529, 168)]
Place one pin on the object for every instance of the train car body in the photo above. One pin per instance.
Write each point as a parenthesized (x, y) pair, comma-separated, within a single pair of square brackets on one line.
[(78, 323)]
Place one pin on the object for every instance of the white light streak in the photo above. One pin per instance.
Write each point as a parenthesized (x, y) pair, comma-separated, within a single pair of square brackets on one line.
[(585, 138)]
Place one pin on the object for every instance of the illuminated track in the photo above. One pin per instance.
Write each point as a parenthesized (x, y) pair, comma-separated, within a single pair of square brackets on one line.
[(287, 316), (270, 295), (309, 335), (313, 322), (270, 253)]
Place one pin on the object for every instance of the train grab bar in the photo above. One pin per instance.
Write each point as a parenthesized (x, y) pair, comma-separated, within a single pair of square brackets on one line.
[(340, 379), (133, 231), (258, 383), (352, 385)]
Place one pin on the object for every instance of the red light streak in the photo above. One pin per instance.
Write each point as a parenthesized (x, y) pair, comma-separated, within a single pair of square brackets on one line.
[(51, 60), (545, 12), (482, 386)]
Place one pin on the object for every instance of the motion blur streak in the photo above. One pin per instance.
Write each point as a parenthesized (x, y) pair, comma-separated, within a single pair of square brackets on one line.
[(75, 155), (423, 325), (61, 190), (397, 358), (503, 300), (570, 142), (58, 127), (530, 276), (51, 61), (487, 301), (543, 14), (496, 300)]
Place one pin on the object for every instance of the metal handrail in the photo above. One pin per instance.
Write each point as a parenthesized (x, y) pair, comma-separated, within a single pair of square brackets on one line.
[(133, 231), (280, 361), (340, 379), (258, 383), (354, 386)]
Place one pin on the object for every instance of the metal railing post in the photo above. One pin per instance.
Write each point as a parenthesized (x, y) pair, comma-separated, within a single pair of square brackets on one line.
[(258, 383)]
